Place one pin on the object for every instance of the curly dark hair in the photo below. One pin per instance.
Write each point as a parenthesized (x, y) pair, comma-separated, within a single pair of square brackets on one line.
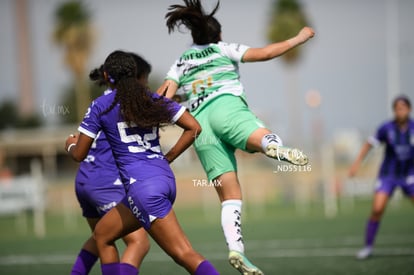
[(97, 76), (204, 27), (143, 68), (137, 104)]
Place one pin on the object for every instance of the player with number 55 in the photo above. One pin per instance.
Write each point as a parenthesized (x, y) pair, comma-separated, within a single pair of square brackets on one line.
[(130, 117)]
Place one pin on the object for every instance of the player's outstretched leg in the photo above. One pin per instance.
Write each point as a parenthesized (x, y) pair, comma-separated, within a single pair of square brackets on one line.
[(273, 148), (240, 262), (370, 233), (262, 140), (378, 207), (229, 193)]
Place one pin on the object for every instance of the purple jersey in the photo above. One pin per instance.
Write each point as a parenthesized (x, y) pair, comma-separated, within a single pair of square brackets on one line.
[(399, 149), (134, 149), (97, 185), (99, 166)]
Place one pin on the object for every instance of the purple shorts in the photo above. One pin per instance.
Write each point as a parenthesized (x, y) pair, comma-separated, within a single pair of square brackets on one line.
[(96, 200), (388, 184), (151, 198)]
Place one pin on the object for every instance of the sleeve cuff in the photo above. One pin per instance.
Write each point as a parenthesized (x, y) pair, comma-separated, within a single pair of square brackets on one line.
[(172, 79), (241, 59), (86, 132), (178, 114), (373, 141)]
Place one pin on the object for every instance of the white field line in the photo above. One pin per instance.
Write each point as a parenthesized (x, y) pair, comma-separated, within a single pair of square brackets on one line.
[(264, 254), (257, 249), (350, 241)]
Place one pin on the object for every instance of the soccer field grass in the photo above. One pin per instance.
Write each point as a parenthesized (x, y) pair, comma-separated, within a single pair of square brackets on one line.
[(278, 240)]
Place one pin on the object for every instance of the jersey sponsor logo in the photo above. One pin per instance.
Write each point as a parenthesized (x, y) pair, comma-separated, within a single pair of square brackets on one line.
[(402, 152), (391, 136), (104, 208), (197, 55), (191, 67), (135, 210), (198, 101)]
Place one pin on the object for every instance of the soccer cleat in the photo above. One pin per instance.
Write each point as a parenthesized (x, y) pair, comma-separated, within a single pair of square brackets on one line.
[(364, 253), (282, 153), (242, 264)]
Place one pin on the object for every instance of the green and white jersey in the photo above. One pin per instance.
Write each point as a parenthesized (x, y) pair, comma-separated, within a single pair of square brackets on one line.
[(205, 72)]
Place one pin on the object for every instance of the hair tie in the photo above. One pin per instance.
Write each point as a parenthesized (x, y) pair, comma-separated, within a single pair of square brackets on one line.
[(111, 80)]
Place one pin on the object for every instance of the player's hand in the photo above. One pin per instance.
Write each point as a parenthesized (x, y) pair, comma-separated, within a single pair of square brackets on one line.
[(305, 34), (353, 170), (70, 140)]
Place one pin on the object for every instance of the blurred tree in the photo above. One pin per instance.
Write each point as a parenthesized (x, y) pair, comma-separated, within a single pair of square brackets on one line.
[(10, 117), (69, 99), (287, 19), (73, 32)]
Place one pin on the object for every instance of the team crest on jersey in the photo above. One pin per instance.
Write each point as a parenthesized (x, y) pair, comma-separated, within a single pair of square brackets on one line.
[(391, 136)]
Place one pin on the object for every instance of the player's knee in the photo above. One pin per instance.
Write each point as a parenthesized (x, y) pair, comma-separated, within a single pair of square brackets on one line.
[(96, 236), (142, 243), (182, 257), (100, 237), (145, 245), (376, 214)]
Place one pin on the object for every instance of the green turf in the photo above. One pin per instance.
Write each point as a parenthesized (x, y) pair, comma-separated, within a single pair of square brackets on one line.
[(277, 239)]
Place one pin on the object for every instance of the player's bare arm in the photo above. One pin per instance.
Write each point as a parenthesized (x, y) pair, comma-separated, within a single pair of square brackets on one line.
[(277, 49), (361, 156), (191, 131), (78, 146), (168, 88)]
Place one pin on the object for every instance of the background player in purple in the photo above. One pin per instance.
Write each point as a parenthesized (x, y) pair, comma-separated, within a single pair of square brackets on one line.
[(130, 117), (397, 169), (98, 189)]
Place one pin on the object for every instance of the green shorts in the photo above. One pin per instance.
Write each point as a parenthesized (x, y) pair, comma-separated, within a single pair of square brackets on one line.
[(227, 123)]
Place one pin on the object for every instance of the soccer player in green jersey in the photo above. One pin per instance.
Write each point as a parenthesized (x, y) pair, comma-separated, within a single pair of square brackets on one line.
[(206, 79)]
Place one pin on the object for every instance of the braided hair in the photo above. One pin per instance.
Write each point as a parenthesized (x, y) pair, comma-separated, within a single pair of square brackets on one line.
[(137, 105), (204, 27)]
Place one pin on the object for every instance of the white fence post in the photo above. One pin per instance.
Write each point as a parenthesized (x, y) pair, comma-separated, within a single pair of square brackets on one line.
[(39, 222), (328, 172)]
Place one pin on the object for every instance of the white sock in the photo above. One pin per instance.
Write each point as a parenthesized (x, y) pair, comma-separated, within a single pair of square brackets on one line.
[(271, 139), (231, 224)]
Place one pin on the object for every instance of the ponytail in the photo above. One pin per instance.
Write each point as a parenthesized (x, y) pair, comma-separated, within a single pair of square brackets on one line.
[(204, 27), (137, 104), (97, 76)]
